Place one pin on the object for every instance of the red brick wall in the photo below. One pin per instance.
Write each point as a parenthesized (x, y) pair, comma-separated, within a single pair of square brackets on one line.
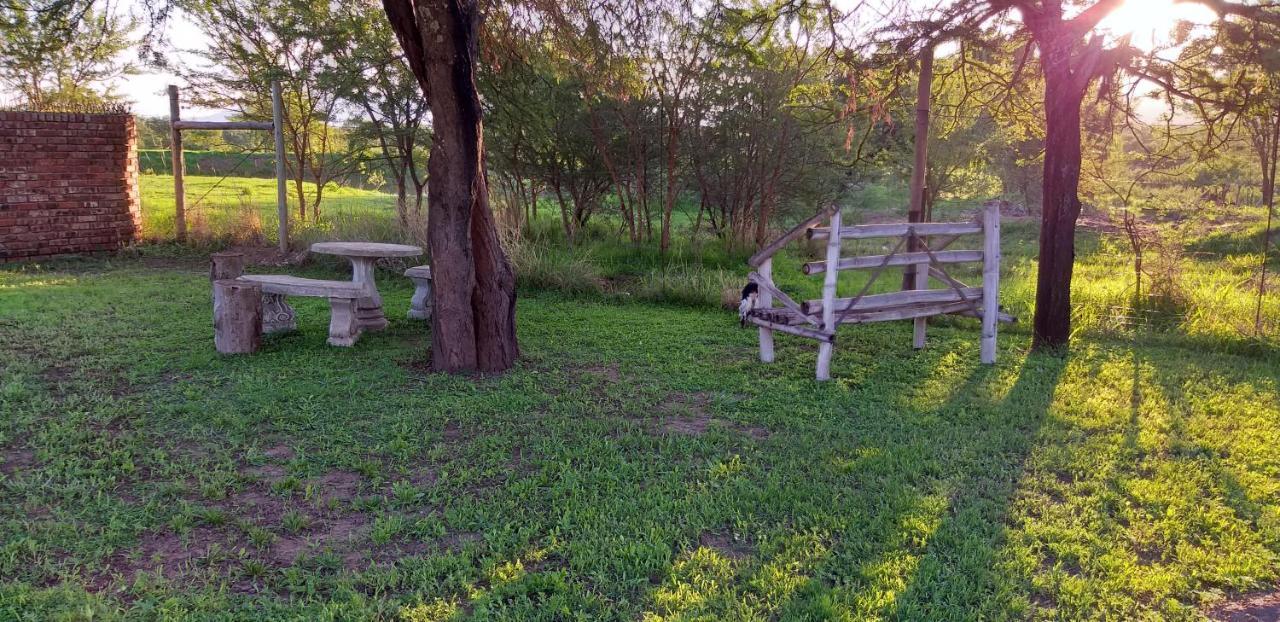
[(68, 183)]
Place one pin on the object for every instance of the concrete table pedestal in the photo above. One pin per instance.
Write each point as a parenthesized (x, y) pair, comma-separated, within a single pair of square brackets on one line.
[(363, 257)]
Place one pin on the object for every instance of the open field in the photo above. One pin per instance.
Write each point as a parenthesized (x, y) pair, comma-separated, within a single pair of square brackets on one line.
[(637, 464)]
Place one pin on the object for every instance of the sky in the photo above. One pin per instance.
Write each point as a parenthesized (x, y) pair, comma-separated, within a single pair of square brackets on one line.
[(1145, 20), (147, 89)]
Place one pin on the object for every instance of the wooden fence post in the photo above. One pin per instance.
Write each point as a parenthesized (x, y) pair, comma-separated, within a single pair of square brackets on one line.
[(916, 276), (826, 348), (282, 196), (990, 280), (765, 301), (175, 153)]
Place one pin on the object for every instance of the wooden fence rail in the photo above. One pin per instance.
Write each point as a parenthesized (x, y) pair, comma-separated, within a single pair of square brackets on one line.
[(824, 315)]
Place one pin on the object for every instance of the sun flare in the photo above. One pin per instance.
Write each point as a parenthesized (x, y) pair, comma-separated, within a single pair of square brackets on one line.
[(1151, 23)]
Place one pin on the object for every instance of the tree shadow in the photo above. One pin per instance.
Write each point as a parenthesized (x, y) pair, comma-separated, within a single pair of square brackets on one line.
[(943, 558), (959, 568), (841, 501)]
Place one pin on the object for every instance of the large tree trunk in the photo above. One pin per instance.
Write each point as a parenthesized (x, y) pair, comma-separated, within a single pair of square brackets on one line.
[(1063, 96), (473, 323)]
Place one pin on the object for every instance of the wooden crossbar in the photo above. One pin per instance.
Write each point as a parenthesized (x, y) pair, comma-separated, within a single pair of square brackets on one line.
[(879, 302), (906, 312), (223, 125), (799, 331), (860, 232), (901, 259), (768, 251), (782, 297)]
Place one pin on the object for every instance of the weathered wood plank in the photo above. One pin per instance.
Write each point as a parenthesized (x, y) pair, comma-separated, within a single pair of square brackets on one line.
[(901, 259), (282, 197), (175, 155), (894, 230), (298, 286), (223, 125), (764, 300), (794, 233), (905, 313), (877, 302), (779, 315), (990, 281), (782, 297), (799, 331), (225, 265), (827, 348)]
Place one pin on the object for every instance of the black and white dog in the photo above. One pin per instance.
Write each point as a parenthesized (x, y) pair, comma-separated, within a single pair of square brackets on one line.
[(749, 295)]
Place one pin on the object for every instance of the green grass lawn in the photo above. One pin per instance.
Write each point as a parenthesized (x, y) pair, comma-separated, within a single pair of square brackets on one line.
[(639, 464)]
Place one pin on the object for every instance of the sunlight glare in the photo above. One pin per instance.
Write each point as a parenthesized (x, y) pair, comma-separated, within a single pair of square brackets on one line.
[(1151, 22)]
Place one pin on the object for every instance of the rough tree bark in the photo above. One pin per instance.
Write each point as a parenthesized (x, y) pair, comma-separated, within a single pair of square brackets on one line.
[(1068, 65), (473, 323), (1063, 96)]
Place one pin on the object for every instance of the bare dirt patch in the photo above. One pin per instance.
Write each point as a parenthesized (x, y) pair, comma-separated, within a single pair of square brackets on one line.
[(16, 459), (689, 414), (279, 453), (57, 374), (694, 404), (256, 503), (422, 476), (167, 553), (452, 432), (688, 425), (726, 544), (1258, 607), (345, 534), (607, 372), (266, 472), (337, 485)]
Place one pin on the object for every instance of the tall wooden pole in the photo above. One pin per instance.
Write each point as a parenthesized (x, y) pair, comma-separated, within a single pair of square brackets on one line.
[(764, 300), (282, 196), (990, 280), (826, 348), (175, 150), (917, 276)]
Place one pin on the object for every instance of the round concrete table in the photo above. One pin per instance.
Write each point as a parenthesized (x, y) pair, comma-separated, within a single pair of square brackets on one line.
[(363, 256)]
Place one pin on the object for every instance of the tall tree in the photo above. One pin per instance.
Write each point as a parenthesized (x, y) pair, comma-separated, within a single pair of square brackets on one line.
[(474, 322), (252, 43), (369, 74), (1072, 59), (1235, 73), (61, 54)]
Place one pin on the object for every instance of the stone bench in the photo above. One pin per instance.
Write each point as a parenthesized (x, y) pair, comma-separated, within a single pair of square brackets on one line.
[(420, 305), (278, 316)]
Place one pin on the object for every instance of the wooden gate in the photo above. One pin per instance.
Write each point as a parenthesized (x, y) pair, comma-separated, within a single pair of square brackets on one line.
[(818, 319)]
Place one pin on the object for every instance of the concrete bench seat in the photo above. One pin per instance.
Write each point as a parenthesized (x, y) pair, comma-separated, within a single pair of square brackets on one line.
[(420, 304), (286, 285), (278, 315)]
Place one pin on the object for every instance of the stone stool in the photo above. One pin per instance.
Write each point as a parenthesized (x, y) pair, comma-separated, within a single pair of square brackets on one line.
[(420, 305)]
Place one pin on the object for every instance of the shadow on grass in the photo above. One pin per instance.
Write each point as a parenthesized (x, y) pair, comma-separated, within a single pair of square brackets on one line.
[(947, 569), (959, 569)]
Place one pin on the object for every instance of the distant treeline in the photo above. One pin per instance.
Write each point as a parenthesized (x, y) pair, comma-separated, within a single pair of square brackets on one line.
[(246, 164)]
